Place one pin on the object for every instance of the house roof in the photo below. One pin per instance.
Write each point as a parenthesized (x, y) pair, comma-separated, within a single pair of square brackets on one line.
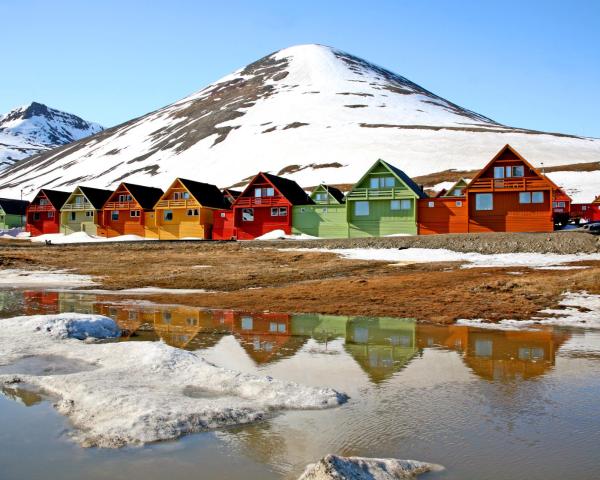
[(232, 193), (206, 194), (334, 192), (289, 189), (56, 198), (450, 192), (145, 196), (401, 175), (13, 207), (96, 196)]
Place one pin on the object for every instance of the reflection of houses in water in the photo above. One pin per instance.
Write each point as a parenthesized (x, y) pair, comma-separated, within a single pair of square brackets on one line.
[(36, 302), (381, 346), (266, 337), (497, 354), (180, 327)]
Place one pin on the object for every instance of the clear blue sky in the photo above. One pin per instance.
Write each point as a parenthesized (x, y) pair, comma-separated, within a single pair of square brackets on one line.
[(533, 64)]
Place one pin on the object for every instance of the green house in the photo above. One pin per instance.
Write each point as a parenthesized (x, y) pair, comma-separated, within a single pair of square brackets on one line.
[(326, 218), (80, 211), (383, 202), (12, 213), (456, 190)]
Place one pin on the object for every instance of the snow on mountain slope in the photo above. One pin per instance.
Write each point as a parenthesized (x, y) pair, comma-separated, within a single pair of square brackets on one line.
[(311, 113), (35, 128)]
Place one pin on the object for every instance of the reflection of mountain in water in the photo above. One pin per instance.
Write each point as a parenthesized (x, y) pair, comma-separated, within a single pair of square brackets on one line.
[(380, 346)]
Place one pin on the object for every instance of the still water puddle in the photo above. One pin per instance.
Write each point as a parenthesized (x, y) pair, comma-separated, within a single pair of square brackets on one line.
[(486, 404)]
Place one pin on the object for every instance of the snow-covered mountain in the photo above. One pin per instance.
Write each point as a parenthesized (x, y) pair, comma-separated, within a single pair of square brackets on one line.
[(311, 113), (35, 128)]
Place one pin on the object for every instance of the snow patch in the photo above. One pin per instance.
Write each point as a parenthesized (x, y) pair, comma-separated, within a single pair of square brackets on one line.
[(82, 237), (17, 278), (335, 467), (281, 235), (139, 392)]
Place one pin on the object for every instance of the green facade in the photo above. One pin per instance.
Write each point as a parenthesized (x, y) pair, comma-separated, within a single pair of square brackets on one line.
[(383, 202), (325, 219), (78, 215), (9, 220), (457, 190)]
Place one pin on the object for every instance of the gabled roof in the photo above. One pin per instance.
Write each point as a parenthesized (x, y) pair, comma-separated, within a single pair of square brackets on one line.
[(450, 192), (96, 196), (336, 193), (13, 207), (287, 188), (507, 147), (145, 196), (206, 194), (232, 193), (56, 198), (399, 174), (596, 200)]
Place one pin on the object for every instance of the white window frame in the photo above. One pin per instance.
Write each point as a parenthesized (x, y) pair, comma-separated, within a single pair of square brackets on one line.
[(167, 214), (430, 204), (89, 213), (247, 214), (535, 197), (135, 214), (518, 171), (498, 170), (283, 211), (406, 204), (389, 182), (73, 216), (274, 211), (457, 192), (484, 195), (50, 214), (362, 213), (394, 205), (458, 203)]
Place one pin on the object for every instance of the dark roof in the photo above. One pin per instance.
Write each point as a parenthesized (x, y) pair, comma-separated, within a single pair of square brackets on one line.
[(56, 197), (290, 190), (407, 180), (207, 194), (13, 207), (96, 196), (232, 193), (145, 196), (335, 193)]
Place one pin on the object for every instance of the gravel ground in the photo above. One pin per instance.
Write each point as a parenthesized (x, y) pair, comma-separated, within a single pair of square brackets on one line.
[(567, 242)]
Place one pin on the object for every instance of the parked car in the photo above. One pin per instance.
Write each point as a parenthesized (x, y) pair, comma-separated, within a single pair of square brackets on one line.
[(593, 228)]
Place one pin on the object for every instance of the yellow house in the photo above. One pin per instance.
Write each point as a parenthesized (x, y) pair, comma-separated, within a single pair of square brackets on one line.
[(186, 210)]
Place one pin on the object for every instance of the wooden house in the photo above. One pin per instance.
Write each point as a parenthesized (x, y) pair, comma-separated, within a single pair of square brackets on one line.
[(81, 210), (326, 218), (561, 207), (510, 195), (13, 213), (130, 211), (186, 210), (230, 195), (446, 213), (383, 202), (586, 212), (265, 205), (43, 213)]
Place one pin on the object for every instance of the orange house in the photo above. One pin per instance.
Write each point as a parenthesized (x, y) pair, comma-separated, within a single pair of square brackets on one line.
[(130, 211), (510, 195), (446, 213)]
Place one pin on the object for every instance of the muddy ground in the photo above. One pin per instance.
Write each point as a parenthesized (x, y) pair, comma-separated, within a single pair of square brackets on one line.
[(259, 276)]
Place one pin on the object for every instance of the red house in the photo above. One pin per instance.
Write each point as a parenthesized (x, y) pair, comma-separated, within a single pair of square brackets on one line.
[(130, 211), (510, 195), (265, 205), (43, 213), (586, 212), (561, 207)]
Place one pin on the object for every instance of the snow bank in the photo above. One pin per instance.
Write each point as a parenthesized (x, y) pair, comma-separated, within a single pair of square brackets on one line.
[(47, 278), (335, 467), (473, 259), (13, 233), (123, 393), (82, 237), (146, 291), (281, 235), (580, 310)]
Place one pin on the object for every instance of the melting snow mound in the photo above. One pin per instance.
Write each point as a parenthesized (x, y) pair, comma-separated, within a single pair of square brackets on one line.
[(140, 392), (334, 467)]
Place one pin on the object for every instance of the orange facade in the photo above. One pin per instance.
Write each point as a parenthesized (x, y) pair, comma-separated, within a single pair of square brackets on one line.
[(442, 215)]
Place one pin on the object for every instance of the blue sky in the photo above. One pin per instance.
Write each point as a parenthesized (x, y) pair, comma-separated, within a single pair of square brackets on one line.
[(529, 64)]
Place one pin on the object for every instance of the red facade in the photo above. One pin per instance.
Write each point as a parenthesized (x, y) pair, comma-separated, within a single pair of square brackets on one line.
[(442, 215), (586, 212), (43, 214), (510, 195), (265, 205)]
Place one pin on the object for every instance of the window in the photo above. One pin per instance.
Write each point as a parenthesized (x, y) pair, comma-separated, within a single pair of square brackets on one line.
[(247, 323), (78, 200), (525, 197), (483, 348), (264, 192), (247, 214), (537, 197), (458, 203), (558, 204), (518, 171), (302, 210), (73, 216), (50, 214), (166, 316), (258, 192), (43, 201), (405, 204), (283, 211), (281, 328), (273, 327), (192, 322), (193, 212), (36, 216), (361, 209), (124, 198), (89, 214), (176, 196), (498, 172), (168, 215), (484, 201), (223, 215), (185, 195), (134, 214), (274, 212), (584, 208), (382, 182), (430, 204), (324, 210), (394, 204), (114, 215), (457, 192), (321, 197)]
